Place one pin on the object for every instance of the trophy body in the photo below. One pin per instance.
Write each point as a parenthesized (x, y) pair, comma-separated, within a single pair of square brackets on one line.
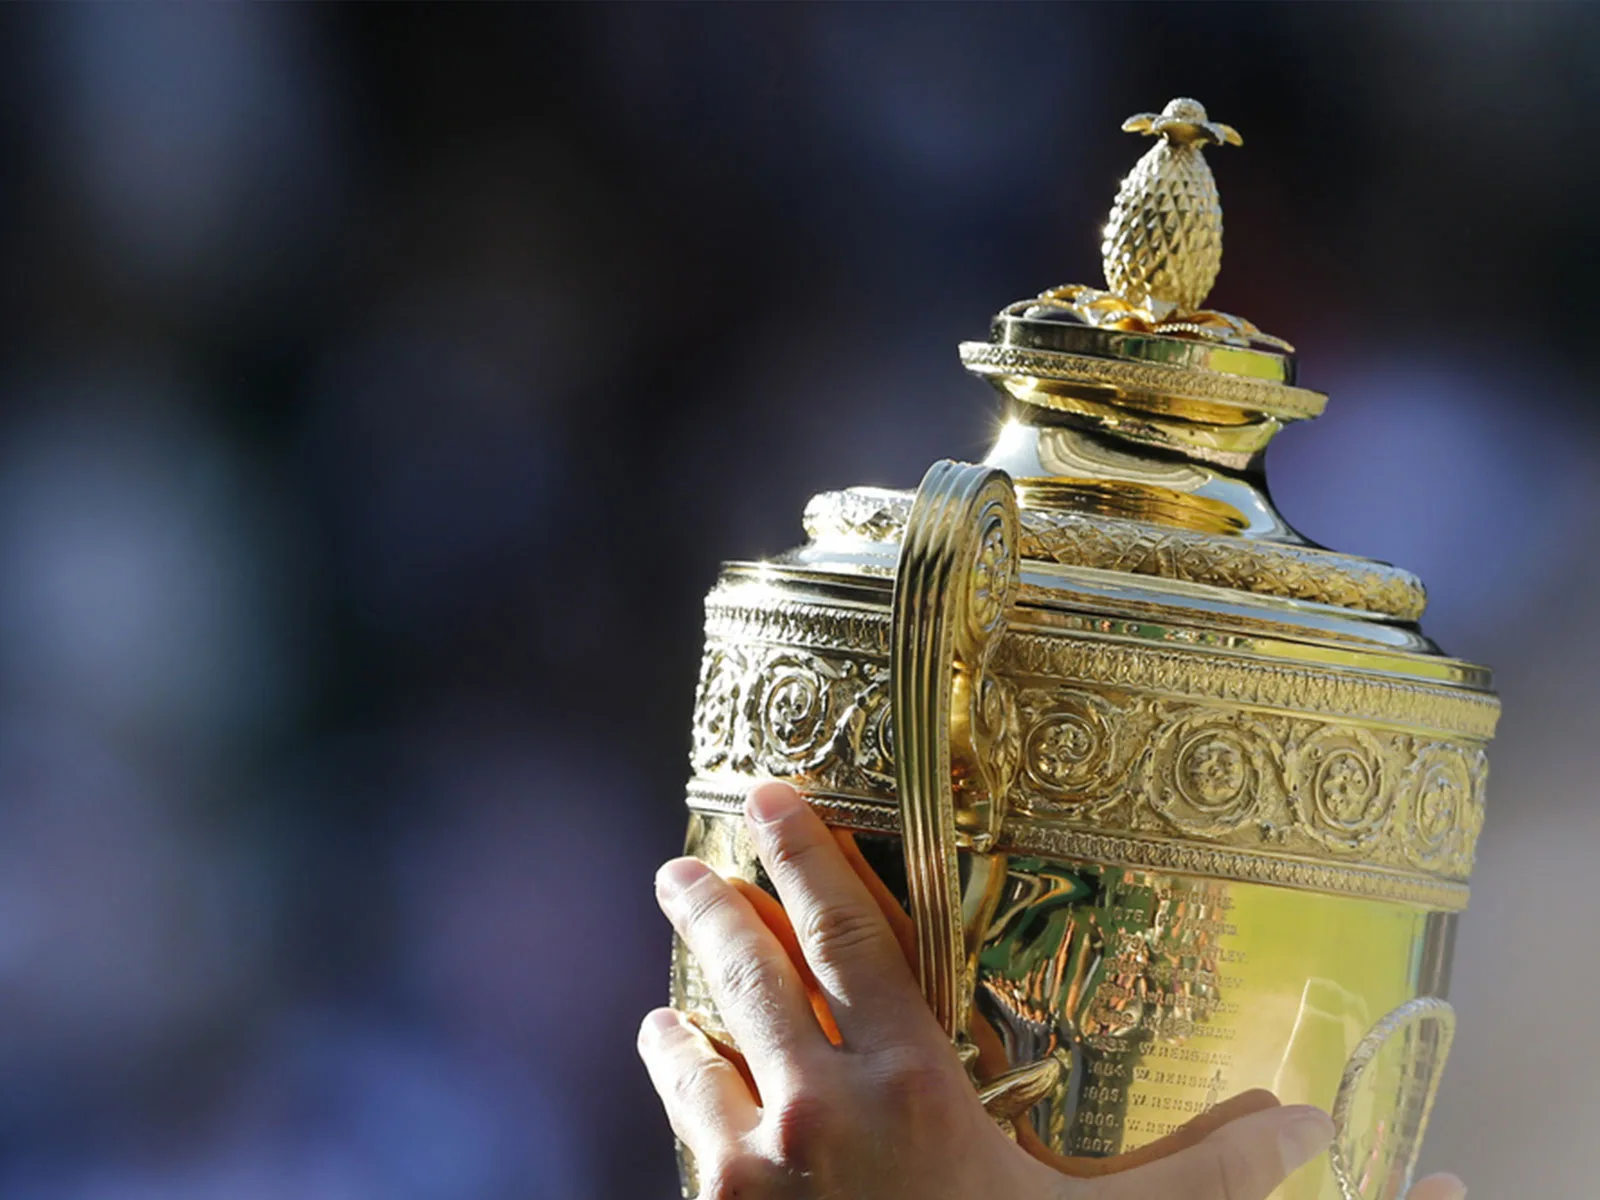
[(1176, 803)]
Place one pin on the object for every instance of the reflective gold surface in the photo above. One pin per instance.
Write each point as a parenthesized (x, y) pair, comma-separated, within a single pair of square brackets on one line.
[(1168, 993), (1176, 803)]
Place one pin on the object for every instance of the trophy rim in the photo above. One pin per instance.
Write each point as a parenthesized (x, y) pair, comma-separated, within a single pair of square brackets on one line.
[(1199, 619)]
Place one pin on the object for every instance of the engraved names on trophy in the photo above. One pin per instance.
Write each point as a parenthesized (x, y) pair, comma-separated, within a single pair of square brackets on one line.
[(1156, 1025), (1137, 974)]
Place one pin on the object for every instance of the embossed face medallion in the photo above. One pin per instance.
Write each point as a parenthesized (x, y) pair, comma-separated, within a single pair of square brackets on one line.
[(1214, 770), (1210, 772), (1385, 1097)]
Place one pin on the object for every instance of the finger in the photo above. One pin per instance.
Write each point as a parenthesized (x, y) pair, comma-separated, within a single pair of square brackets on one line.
[(905, 932), (707, 1102), (1438, 1187), (722, 1042), (758, 992), (1193, 1132), (1243, 1160), (1190, 1134), (851, 949), (775, 919)]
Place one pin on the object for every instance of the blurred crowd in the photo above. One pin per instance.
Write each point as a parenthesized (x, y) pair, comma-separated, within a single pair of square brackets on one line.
[(384, 386)]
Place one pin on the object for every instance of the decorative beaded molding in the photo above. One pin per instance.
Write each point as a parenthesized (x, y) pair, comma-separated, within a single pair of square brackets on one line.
[(1238, 680), (725, 797), (1255, 395)]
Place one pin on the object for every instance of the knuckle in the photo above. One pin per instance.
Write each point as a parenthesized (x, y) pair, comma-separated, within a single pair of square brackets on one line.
[(740, 1176), (704, 902), (789, 847), (740, 976), (693, 1081), (1234, 1172), (800, 1129), (835, 931), (915, 1084)]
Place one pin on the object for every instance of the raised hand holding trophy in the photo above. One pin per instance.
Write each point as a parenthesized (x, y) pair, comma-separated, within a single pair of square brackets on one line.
[(1177, 804)]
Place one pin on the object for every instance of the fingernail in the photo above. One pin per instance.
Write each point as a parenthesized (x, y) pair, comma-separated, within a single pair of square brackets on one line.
[(1303, 1137), (657, 1024), (676, 877), (769, 802)]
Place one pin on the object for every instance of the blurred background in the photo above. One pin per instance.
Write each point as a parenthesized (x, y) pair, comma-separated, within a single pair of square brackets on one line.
[(384, 385)]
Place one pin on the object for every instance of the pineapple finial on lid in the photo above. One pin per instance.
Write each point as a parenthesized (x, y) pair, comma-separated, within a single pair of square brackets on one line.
[(1163, 242)]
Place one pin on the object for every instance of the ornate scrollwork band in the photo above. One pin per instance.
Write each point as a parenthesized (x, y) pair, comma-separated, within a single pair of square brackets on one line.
[(1140, 548), (1114, 759), (1110, 661)]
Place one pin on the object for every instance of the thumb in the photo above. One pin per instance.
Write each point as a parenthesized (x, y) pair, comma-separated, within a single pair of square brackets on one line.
[(1438, 1187), (1244, 1160)]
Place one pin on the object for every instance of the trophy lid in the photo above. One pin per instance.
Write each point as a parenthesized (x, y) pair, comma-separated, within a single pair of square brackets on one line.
[(1142, 358), (1137, 421), (1151, 667)]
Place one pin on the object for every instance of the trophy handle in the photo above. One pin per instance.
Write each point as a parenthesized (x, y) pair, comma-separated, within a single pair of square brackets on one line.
[(956, 743), (954, 726)]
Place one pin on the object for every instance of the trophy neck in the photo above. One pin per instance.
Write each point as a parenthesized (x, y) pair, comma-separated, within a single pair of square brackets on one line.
[(1177, 396), (1085, 467), (1162, 428)]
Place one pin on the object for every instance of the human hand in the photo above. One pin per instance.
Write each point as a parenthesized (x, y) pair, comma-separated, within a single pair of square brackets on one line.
[(876, 1106)]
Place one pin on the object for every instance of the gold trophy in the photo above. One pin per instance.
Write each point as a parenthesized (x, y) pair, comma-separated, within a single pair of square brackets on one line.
[(1178, 803)]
